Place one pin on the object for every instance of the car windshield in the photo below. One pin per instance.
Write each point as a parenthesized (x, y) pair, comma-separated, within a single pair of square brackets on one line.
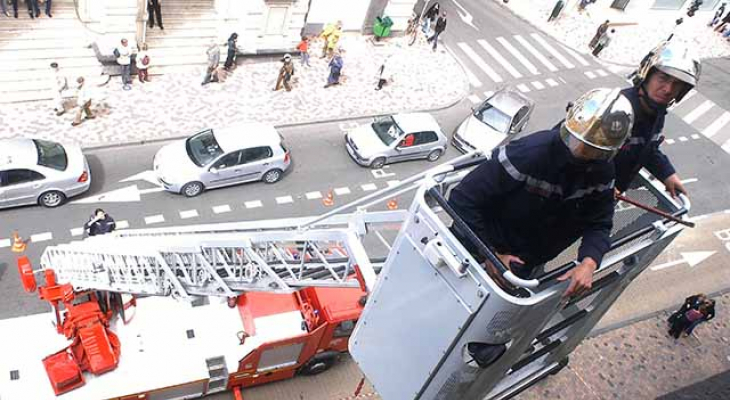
[(387, 130), (493, 117), (203, 148), (51, 154)]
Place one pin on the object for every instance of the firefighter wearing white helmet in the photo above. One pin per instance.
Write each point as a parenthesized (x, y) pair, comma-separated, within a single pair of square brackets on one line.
[(665, 76), (538, 194)]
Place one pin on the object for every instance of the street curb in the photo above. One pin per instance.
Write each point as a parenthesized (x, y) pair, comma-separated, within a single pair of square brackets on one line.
[(618, 325)]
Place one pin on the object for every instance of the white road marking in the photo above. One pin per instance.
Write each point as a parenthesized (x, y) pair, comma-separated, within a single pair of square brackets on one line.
[(684, 99), (551, 82), (313, 195), (474, 99), (726, 146), (601, 72), (539, 39), (4, 243), (716, 125), (342, 191), (124, 224), (577, 56), (535, 53), (77, 231), (147, 176), (488, 94), (152, 190), (682, 139), (698, 112), (670, 141), (516, 54), (589, 74), (392, 183), (562, 80), (41, 237), (473, 80), (154, 219), (224, 208), (695, 136), (253, 204), (368, 187), (479, 61), (538, 85), (187, 214), (284, 200), (380, 172), (523, 88), (501, 60)]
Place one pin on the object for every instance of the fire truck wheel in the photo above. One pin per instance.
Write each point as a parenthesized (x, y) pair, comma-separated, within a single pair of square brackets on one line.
[(317, 365)]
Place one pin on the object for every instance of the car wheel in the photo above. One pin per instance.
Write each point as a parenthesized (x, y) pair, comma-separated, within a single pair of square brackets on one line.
[(434, 155), (377, 163), (192, 189), (316, 366), (52, 199), (272, 176)]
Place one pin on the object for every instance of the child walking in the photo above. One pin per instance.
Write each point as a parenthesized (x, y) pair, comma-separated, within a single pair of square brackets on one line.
[(303, 48)]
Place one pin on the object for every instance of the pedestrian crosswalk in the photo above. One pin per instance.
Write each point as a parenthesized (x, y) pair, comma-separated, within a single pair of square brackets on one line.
[(514, 57), (703, 114)]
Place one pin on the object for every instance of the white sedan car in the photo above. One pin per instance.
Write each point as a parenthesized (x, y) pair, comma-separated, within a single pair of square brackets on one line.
[(502, 115)]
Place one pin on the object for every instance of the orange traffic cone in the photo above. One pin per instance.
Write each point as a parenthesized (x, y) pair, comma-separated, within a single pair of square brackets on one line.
[(329, 199), (18, 244), (392, 204)]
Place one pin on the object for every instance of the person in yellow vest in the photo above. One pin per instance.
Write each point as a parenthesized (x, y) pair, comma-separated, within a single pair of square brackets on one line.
[(331, 35)]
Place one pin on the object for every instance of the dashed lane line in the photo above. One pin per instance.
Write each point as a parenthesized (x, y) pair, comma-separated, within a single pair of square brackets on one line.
[(601, 73), (577, 56), (538, 85), (253, 204), (523, 88), (187, 214), (368, 187), (154, 219), (516, 54), (313, 195), (535, 53), (540, 40), (342, 191), (488, 94), (551, 82), (392, 183), (682, 139), (41, 237), (501, 60), (693, 115), (589, 74), (124, 224), (474, 99), (224, 208), (695, 136), (284, 200), (716, 125), (77, 231), (4, 243), (479, 61)]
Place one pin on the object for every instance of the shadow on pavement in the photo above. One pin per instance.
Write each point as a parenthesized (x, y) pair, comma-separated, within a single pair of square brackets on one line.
[(715, 387)]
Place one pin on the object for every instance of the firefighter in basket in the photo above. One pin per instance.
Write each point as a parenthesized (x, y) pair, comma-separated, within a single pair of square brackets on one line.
[(539, 194), (664, 77)]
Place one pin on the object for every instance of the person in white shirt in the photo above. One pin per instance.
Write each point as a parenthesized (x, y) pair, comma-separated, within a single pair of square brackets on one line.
[(143, 63), (124, 58), (83, 101), (59, 84)]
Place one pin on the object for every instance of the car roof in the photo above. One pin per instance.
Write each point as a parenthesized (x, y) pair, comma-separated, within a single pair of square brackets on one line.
[(246, 135), (417, 122), (509, 101), (17, 153)]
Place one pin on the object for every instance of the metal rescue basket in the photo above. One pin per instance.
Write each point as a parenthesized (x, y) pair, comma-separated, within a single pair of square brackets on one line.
[(438, 326)]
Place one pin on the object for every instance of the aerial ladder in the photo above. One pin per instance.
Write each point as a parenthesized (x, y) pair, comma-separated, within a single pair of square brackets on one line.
[(451, 329)]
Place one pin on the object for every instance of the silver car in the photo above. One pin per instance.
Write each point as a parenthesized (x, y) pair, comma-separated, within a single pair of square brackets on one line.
[(501, 116), (222, 157), (396, 138), (34, 171)]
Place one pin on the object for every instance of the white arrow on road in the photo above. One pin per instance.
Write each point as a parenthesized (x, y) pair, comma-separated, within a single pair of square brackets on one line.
[(147, 176), (464, 15), (692, 258), (123, 195)]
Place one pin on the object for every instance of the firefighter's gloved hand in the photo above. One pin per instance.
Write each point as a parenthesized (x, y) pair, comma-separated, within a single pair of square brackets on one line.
[(581, 277), (673, 185), (508, 259)]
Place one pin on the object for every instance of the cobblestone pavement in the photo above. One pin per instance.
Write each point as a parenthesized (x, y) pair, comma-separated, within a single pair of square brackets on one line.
[(631, 42), (176, 105), (635, 362)]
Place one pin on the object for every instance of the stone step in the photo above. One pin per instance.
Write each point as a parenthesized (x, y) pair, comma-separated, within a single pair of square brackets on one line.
[(181, 23), (41, 74), (187, 13), (43, 64), (182, 33), (46, 54), (19, 34), (161, 43), (42, 44), (39, 23), (174, 59), (180, 51)]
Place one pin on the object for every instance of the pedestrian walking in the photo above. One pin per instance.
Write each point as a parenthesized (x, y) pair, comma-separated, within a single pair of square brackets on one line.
[(59, 85), (335, 66), (385, 73), (721, 26), (330, 35), (154, 9), (718, 14), (438, 30), (143, 64), (48, 8), (33, 8), (232, 48), (583, 4), (214, 58), (15, 8), (603, 42), (430, 17), (4, 8), (123, 54), (83, 101), (556, 10), (100, 223), (285, 74), (599, 32), (303, 48)]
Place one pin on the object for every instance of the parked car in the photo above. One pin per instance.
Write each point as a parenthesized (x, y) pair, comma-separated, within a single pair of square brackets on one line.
[(501, 116), (222, 157), (395, 138), (35, 171)]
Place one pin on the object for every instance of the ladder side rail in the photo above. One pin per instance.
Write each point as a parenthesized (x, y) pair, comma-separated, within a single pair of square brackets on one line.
[(170, 279), (280, 256), (180, 266), (221, 284), (327, 265), (264, 267)]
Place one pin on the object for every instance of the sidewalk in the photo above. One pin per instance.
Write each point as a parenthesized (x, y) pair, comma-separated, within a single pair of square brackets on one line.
[(176, 105), (631, 42), (635, 362)]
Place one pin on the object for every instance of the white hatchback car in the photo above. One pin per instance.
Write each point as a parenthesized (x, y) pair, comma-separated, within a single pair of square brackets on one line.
[(34, 171), (222, 157), (501, 116)]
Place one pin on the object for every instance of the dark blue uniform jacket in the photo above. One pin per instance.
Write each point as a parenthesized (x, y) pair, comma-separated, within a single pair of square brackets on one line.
[(642, 148), (532, 200)]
